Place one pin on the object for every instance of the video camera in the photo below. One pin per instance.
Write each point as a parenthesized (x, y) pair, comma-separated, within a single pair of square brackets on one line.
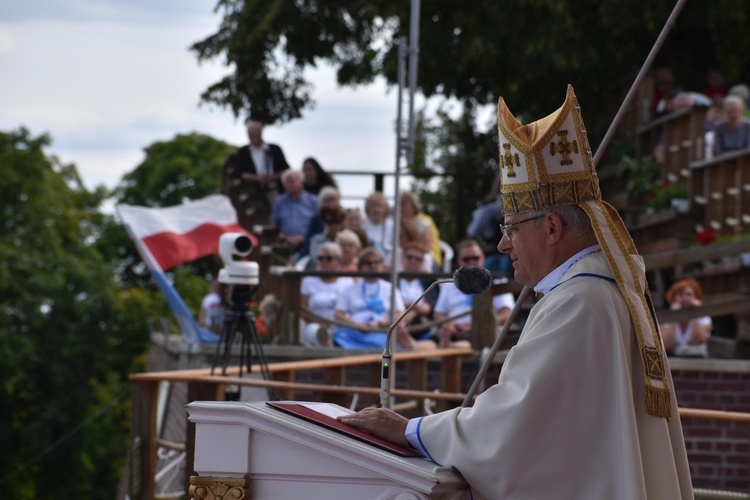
[(232, 248)]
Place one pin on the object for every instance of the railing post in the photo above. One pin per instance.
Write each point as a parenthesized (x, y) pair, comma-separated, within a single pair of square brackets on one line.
[(143, 453), (484, 326), (451, 375), (379, 182)]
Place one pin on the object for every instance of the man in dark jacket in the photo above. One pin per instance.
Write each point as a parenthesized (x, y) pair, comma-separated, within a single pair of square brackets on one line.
[(261, 163)]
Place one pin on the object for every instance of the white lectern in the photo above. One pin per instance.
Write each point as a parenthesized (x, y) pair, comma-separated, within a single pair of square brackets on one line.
[(251, 450)]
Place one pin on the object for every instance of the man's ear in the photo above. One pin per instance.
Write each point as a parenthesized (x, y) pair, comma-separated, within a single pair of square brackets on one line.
[(553, 224)]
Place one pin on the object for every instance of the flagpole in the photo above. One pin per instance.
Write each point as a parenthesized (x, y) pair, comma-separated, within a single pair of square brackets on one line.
[(190, 327), (143, 250)]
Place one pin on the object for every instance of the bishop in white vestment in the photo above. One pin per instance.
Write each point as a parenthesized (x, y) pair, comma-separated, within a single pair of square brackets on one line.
[(584, 407)]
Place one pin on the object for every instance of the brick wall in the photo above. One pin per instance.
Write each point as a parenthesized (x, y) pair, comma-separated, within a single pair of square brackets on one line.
[(717, 449)]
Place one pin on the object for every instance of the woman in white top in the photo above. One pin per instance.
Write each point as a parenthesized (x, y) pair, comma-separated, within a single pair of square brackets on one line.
[(377, 224), (319, 294), (686, 338), (350, 247), (367, 305)]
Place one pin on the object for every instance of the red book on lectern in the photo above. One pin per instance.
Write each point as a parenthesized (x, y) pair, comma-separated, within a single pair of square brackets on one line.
[(318, 418)]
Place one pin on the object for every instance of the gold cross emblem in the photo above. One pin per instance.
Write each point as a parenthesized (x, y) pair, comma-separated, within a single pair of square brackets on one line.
[(654, 367), (564, 147), (507, 159)]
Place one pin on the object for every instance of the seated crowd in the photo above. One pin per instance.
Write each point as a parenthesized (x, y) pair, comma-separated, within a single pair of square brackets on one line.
[(354, 312), (728, 118)]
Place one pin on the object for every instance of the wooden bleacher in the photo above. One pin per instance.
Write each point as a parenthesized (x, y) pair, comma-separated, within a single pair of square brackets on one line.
[(718, 203)]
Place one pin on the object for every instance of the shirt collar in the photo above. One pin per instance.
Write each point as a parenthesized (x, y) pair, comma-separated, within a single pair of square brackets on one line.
[(548, 282)]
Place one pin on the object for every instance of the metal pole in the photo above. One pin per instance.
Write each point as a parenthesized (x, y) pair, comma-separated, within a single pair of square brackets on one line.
[(401, 69), (413, 60), (641, 74)]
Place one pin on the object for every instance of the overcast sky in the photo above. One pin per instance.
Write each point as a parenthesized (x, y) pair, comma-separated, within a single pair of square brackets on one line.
[(107, 78)]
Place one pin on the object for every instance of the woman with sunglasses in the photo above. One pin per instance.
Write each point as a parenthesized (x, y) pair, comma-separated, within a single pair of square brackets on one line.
[(333, 220), (320, 294), (412, 287), (366, 305)]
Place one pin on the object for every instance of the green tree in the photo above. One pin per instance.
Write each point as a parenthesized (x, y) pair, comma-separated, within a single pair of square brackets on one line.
[(187, 166), (474, 51), (68, 334), (452, 147)]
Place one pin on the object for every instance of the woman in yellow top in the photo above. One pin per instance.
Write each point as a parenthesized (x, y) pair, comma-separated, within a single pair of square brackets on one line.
[(411, 209)]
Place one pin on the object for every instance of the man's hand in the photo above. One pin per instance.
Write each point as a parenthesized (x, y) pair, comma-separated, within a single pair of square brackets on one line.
[(265, 178), (295, 239), (380, 422)]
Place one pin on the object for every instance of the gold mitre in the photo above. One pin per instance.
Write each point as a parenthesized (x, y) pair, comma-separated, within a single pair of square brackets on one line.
[(548, 163), (545, 163)]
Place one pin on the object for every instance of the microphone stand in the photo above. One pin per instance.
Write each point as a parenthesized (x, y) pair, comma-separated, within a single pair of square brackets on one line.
[(386, 365)]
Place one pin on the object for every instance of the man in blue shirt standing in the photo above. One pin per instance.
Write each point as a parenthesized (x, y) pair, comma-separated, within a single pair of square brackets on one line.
[(293, 210)]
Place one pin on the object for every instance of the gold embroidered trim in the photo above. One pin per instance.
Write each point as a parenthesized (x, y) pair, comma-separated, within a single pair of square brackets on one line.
[(657, 398)]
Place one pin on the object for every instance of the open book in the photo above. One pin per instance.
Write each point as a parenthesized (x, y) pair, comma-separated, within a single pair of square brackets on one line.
[(325, 414)]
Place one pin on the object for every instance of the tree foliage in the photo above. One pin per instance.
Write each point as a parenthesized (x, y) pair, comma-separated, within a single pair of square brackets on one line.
[(185, 167), (451, 146), (68, 333), (525, 51), (476, 51)]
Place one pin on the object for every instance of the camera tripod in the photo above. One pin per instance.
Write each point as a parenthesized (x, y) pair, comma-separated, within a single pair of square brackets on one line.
[(239, 319)]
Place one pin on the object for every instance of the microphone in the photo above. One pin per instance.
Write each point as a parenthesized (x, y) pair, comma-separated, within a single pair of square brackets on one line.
[(470, 280)]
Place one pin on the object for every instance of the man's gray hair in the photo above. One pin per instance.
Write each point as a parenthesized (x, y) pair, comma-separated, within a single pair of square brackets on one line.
[(328, 192), (739, 101), (575, 219), (332, 248), (286, 173)]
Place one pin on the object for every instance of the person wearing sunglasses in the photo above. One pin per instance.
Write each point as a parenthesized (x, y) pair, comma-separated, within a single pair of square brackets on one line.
[(366, 307), (319, 294), (451, 302), (412, 286), (332, 219), (410, 236)]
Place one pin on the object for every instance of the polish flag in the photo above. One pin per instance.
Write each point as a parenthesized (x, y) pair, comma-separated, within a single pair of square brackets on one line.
[(179, 234)]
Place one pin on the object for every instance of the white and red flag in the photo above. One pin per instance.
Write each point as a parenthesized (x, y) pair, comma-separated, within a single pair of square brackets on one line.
[(182, 233)]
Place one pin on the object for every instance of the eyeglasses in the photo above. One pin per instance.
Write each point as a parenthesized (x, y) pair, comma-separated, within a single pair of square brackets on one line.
[(370, 263), (414, 258), (327, 258), (507, 228), (471, 258)]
